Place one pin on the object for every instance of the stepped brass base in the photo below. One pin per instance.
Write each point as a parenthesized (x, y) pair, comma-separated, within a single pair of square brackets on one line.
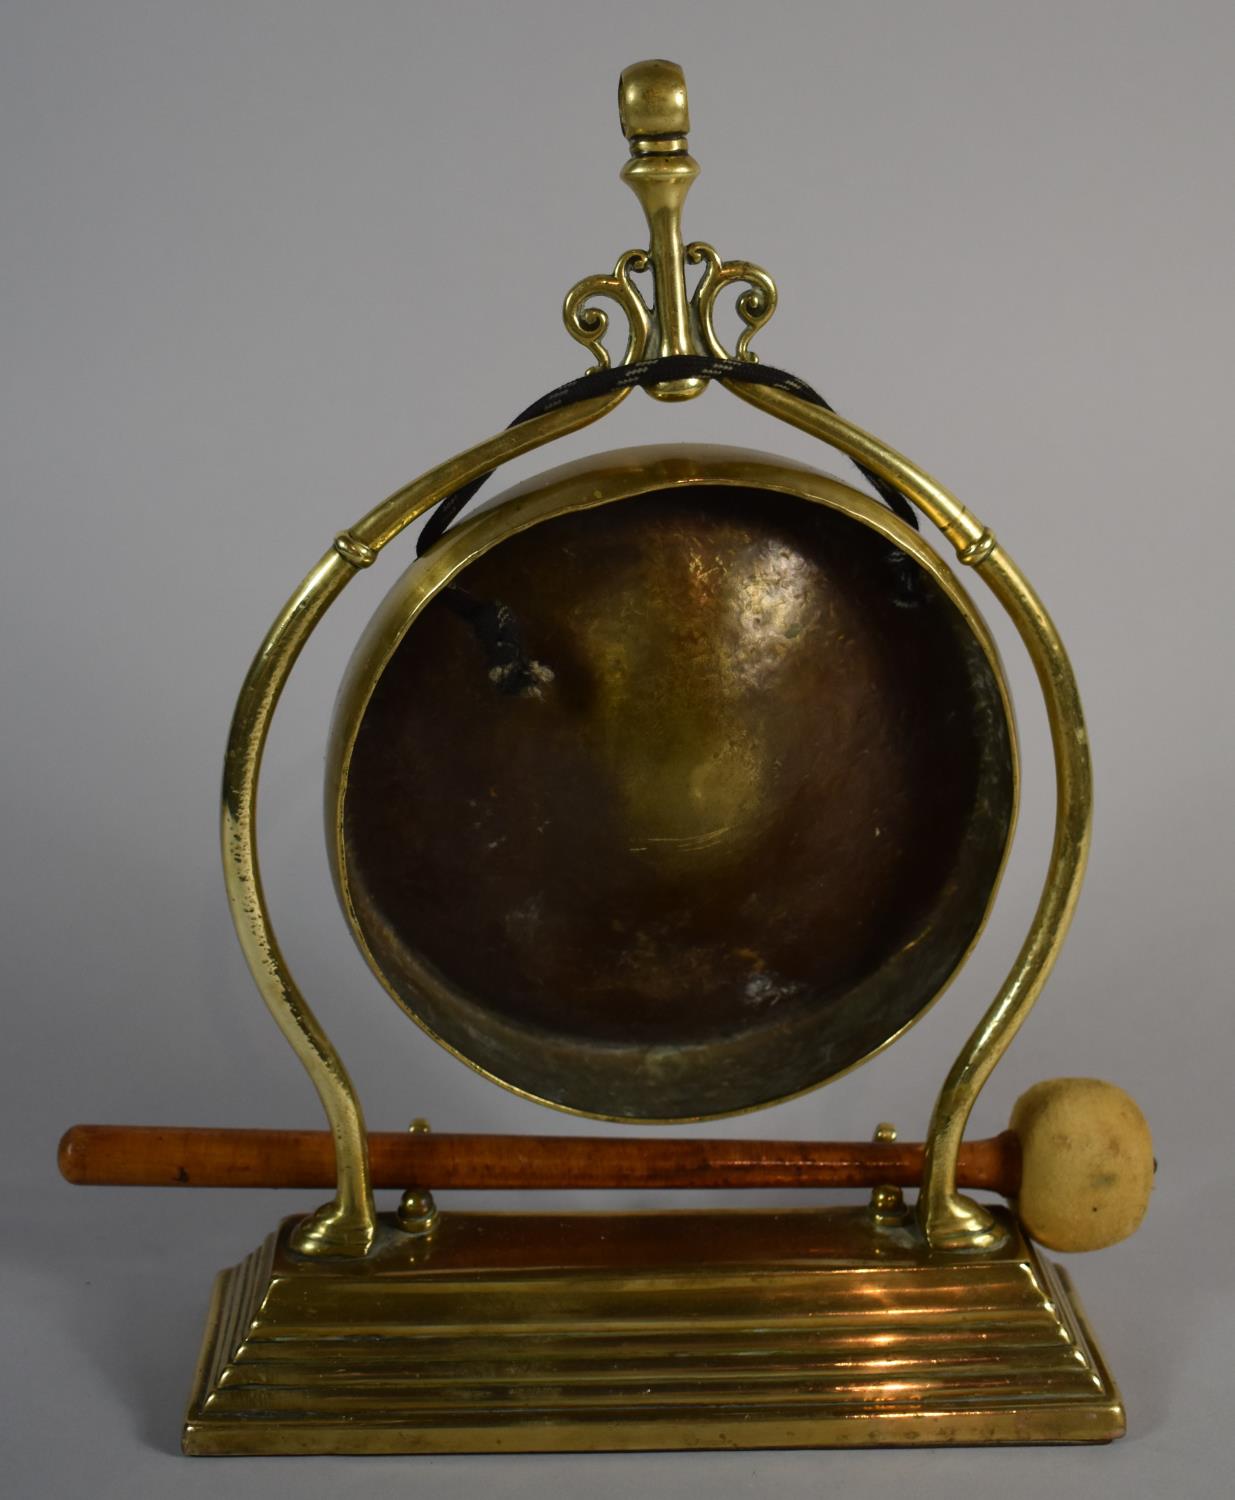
[(554, 1333)]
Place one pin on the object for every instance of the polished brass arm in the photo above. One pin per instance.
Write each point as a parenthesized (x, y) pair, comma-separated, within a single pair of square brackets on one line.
[(949, 1220), (346, 1225)]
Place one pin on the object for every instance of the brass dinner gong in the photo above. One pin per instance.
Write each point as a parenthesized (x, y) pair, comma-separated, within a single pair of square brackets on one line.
[(737, 828), (668, 785)]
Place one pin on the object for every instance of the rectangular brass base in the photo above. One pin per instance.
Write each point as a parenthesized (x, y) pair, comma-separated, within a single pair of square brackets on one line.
[(556, 1333)]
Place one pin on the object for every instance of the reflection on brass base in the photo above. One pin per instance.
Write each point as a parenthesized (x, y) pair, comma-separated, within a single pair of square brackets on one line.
[(556, 1333)]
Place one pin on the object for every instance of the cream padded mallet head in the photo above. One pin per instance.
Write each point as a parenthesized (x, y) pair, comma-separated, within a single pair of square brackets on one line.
[(1087, 1163)]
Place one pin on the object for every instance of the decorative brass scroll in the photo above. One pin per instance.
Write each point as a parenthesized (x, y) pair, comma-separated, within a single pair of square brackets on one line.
[(655, 120), (589, 324)]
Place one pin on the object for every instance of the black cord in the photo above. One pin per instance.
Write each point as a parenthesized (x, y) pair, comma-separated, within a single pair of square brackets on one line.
[(510, 668), (652, 372)]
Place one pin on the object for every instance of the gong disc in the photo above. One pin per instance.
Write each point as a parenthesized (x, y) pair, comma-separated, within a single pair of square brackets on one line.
[(673, 785)]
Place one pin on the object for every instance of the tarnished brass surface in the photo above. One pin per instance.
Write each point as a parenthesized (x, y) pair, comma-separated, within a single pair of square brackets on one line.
[(542, 1333), (738, 830)]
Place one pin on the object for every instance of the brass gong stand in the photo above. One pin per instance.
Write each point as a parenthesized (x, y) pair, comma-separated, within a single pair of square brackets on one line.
[(354, 1332)]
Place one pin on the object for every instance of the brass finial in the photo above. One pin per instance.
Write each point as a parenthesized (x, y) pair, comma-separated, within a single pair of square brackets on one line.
[(652, 101), (655, 120)]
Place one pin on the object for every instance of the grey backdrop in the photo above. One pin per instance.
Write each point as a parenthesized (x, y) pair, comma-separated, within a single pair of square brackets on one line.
[(263, 263)]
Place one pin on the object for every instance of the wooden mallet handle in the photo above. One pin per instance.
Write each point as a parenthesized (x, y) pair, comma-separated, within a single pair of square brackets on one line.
[(1078, 1159), (175, 1156)]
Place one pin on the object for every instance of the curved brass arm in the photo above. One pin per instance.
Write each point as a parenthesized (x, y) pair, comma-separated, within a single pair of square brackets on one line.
[(346, 1225), (949, 1220)]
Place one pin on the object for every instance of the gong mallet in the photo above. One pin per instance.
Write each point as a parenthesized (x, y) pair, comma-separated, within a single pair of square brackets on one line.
[(1077, 1158)]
